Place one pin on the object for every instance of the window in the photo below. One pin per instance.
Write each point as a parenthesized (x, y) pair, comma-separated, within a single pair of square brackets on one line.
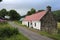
[(35, 24)]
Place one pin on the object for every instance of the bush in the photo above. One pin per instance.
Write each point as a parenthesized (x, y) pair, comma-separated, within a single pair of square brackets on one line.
[(3, 22), (8, 31), (59, 31)]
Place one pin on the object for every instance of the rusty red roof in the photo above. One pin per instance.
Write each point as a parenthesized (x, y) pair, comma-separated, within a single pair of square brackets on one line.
[(35, 17)]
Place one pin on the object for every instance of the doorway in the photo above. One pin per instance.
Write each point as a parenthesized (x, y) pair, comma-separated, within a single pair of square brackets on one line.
[(28, 24)]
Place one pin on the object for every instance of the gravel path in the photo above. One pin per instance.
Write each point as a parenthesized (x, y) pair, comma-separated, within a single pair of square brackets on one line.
[(31, 35)]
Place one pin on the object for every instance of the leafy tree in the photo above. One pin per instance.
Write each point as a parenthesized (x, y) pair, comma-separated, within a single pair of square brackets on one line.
[(3, 12), (32, 11), (40, 10), (29, 13), (14, 15), (57, 15)]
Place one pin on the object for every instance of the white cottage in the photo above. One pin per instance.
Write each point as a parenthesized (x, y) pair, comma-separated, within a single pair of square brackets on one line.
[(34, 20), (43, 20)]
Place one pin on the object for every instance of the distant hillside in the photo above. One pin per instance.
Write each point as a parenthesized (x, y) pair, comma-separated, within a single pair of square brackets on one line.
[(57, 15), (56, 12)]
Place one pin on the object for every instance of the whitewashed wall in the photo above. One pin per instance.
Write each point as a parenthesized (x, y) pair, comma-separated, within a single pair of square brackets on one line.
[(25, 23), (37, 26)]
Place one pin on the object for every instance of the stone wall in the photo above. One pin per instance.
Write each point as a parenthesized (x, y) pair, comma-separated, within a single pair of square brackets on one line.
[(48, 23)]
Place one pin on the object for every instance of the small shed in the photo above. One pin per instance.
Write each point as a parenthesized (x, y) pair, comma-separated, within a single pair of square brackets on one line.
[(7, 17)]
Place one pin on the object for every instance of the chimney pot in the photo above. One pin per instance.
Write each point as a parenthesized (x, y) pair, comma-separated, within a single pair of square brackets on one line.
[(48, 8)]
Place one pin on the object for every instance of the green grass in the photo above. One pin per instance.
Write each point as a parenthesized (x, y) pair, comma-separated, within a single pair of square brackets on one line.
[(58, 25), (7, 27), (19, 23), (53, 36), (16, 37)]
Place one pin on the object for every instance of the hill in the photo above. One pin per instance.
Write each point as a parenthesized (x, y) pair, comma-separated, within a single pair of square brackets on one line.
[(57, 15)]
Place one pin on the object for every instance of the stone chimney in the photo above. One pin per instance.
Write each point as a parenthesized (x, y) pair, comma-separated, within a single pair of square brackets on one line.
[(49, 8)]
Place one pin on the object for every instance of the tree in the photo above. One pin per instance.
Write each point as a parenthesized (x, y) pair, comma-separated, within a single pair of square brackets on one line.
[(32, 11), (14, 15), (29, 13), (40, 10), (3, 12), (57, 15)]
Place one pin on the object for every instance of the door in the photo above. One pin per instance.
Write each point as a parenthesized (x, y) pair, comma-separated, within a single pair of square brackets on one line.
[(28, 24)]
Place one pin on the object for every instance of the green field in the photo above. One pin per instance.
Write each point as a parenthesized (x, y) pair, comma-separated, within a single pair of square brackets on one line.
[(7, 29)]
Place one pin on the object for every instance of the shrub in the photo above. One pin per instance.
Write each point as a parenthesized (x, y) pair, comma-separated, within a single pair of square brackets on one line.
[(8, 31), (3, 22), (59, 31)]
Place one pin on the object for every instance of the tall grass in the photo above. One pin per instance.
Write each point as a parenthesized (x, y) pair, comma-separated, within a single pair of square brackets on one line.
[(10, 33), (59, 28), (6, 30)]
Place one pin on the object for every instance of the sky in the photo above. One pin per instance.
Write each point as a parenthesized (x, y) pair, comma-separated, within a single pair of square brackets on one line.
[(22, 6)]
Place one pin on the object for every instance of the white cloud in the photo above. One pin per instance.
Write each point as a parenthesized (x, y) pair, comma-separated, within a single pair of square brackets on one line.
[(25, 1), (23, 5)]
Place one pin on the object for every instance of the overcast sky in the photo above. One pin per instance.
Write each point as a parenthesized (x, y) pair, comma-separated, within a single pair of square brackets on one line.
[(22, 6)]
